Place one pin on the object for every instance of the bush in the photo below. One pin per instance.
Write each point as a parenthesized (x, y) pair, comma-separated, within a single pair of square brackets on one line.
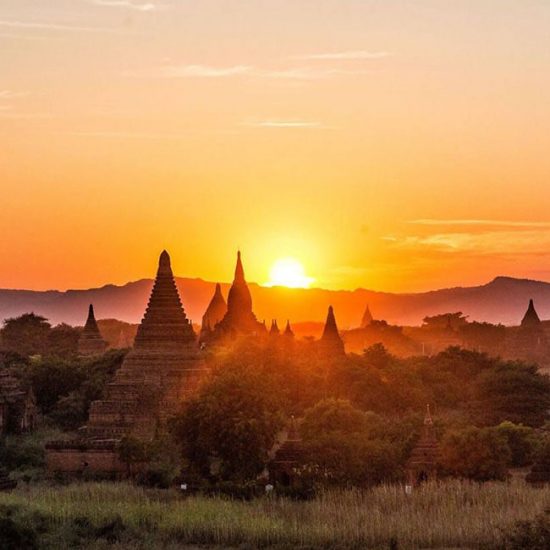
[(534, 534)]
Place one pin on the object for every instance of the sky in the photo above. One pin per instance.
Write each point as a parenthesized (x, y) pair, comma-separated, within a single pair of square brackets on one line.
[(385, 144)]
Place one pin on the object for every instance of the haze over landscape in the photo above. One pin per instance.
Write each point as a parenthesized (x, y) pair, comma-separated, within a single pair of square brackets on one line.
[(394, 146)]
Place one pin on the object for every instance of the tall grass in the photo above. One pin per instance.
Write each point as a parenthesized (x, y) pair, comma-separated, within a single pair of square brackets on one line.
[(452, 514)]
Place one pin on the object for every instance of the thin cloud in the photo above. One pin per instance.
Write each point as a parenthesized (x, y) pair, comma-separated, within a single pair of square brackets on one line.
[(202, 71), (351, 55), (10, 94), (479, 222), (144, 7), (127, 135), (208, 71), (51, 26), (286, 124)]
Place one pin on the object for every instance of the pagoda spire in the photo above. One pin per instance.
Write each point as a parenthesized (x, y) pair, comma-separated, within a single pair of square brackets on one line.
[(239, 318), (367, 318), (274, 331), (331, 337), (216, 309), (90, 341), (164, 323), (531, 318), (288, 330)]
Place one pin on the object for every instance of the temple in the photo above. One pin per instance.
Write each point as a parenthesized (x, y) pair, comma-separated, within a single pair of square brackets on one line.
[(367, 318), (288, 333), (239, 319), (91, 342), (156, 376), (283, 467), (422, 464), (531, 319), (216, 310), (330, 341), (17, 405), (274, 330)]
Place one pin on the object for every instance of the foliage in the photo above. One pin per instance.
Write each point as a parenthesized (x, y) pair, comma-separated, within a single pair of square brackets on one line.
[(234, 419), (521, 442), (532, 534), (480, 454)]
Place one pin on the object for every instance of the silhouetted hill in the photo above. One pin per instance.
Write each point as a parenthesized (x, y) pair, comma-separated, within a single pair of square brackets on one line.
[(503, 300)]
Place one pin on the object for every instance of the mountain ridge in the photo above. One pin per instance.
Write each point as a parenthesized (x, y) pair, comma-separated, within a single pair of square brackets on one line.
[(504, 299)]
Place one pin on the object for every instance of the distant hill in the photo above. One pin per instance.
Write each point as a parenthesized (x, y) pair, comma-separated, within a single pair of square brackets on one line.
[(502, 300)]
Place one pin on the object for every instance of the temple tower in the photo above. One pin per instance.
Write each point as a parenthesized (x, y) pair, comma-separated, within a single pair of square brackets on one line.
[(531, 319), (330, 341), (274, 330), (155, 378), (367, 318), (239, 318), (422, 464), (283, 467), (288, 331), (216, 310), (91, 342)]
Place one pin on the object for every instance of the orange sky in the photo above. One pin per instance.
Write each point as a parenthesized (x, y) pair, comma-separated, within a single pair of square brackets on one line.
[(391, 145)]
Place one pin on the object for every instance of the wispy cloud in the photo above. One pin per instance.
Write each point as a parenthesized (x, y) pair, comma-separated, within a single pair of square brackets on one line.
[(11, 94), (208, 71), (51, 26), (137, 6), (127, 135), (274, 123), (350, 55), (479, 222), (202, 71)]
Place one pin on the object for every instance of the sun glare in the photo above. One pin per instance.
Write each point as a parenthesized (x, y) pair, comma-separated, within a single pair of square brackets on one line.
[(290, 273)]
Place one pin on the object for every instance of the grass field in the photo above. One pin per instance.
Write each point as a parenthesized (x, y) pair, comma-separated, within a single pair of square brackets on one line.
[(448, 515)]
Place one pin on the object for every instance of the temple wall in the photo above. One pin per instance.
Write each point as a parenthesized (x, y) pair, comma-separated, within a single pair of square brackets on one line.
[(80, 461)]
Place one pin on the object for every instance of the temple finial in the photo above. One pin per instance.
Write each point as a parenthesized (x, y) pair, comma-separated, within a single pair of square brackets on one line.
[(428, 417)]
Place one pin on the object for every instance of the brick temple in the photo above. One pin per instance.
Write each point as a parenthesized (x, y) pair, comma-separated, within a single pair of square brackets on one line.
[(239, 320), (158, 374), (331, 342), (422, 464), (90, 342)]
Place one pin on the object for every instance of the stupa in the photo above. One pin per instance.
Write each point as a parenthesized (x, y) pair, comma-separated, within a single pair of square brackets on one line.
[(330, 341), (91, 342), (215, 312), (367, 318), (155, 377), (422, 464), (239, 318)]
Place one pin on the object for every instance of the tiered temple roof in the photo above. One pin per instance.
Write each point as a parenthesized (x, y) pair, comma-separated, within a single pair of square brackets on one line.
[(239, 319), (331, 340), (91, 342), (154, 379), (422, 464)]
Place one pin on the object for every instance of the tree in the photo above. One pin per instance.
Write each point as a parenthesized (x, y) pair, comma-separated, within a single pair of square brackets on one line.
[(231, 422), (343, 444), (26, 335), (521, 441), (512, 391), (481, 454)]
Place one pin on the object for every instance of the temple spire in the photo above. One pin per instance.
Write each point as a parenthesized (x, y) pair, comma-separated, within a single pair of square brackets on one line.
[(331, 337), (367, 318), (215, 311), (91, 342), (531, 318), (164, 322), (428, 417), (239, 271), (288, 330), (274, 331)]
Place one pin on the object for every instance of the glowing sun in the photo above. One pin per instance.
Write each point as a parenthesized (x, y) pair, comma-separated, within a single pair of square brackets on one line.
[(290, 273)]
